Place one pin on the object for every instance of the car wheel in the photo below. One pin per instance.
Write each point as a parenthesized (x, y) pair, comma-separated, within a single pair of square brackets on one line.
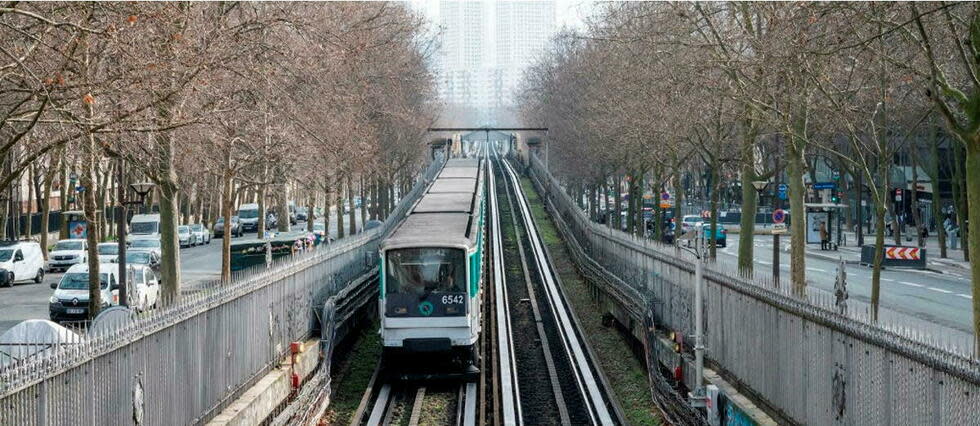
[(39, 277), (10, 279)]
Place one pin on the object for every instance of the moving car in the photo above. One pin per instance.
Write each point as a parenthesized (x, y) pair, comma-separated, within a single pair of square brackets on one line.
[(70, 299), (67, 253), (108, 252), (146, 244), (201, 233), (235, 228), (721, 235), (248, 215), (20, 261), (144, 226), (301, 214), (185, 237)]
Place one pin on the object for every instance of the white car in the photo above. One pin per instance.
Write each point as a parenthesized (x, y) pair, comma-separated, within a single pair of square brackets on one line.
[(691, 221), (145, 288), (108, 252), (202, 233), (185, 237), (146, 244), (67, 253), (70, 299), (21, 261)]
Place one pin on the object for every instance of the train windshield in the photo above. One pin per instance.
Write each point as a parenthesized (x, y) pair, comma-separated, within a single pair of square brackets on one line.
[(425, 282)]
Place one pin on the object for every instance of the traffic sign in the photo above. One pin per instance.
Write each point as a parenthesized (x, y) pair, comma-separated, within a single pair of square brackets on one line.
[(824, 185), (898, 194), (781, 191), (665, 196), (779, 228), (778, 216)]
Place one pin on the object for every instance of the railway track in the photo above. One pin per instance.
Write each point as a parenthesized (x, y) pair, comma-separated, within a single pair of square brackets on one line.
[(553, 378), (414, 403)]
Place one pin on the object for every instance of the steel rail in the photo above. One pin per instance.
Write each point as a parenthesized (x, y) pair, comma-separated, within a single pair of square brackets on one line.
[(586, 380), (507, 364)]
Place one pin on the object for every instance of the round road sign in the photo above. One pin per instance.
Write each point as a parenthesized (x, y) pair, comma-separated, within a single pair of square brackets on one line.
[(779, 216)]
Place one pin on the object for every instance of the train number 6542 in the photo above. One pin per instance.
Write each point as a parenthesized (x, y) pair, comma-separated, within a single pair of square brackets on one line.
[(453, 299)]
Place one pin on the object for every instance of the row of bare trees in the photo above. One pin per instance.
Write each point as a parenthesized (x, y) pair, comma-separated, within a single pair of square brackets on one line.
[(652, 92), (216, 104)]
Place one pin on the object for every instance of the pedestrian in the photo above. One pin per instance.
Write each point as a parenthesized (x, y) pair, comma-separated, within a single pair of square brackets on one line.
[(824, 236)]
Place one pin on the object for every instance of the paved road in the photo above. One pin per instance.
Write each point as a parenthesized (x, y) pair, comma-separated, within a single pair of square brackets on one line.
[(198, 264), (932, 298)]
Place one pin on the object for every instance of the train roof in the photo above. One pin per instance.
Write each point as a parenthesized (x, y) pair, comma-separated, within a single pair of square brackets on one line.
[(431, 229), (454, 202), (444, 186), (446, 215)]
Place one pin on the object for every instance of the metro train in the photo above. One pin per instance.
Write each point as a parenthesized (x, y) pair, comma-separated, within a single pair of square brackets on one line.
[(431, 270)]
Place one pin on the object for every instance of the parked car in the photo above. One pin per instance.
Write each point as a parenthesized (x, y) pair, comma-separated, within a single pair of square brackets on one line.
[(108, 252), (690, 222), (145, 288), (235, 229), (721, 235), (21, 260), (146, 244), (67, 253), (145, 258), (70, 299), (201, 233), (185, 237)]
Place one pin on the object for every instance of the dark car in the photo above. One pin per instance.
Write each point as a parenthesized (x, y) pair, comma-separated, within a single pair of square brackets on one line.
[(236, 228)]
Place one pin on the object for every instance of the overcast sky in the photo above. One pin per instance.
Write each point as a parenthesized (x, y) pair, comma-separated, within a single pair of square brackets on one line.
[(568, 12)]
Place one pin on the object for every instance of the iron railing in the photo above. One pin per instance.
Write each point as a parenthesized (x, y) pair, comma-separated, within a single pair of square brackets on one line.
[(183, 363), (797, 353)]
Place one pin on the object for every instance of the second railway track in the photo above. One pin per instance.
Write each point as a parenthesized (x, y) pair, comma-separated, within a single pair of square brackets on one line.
[(552, 378)]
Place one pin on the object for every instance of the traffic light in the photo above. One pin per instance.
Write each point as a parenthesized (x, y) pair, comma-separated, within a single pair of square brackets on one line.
[(834, 197)]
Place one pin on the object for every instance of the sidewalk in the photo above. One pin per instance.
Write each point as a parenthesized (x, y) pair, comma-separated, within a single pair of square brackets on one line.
[(851, 253)]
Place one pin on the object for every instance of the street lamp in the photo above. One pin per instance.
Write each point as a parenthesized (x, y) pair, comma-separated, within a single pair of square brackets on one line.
[(142, 189)]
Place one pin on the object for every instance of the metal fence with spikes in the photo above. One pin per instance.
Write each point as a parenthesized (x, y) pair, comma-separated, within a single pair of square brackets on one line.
[(797, 353), (184, 362)]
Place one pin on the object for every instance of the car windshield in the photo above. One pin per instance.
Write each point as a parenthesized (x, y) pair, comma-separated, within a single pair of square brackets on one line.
[(318, 227), (146, 243), (183, 230), (138, 257), (248, 214), (143, 227), (79, 281), (692, 219), (5, 255), (108, 248), (68, 245), (197, 228)]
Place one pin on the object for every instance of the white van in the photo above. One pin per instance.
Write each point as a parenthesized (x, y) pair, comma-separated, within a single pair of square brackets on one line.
[(144, 226), (21, 260), (248, 217)]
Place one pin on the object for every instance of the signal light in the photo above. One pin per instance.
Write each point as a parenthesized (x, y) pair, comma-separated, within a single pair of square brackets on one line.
[(678, 373)]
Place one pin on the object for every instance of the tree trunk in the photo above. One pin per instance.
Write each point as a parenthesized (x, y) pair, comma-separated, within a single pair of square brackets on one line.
[(678, 205), (858, 199), (879, 255), (973, 246), (53, 163), (352, 214), (746, 235), (916, 216), (227, 202), (618, 200), (261, 223), (340, 207), (797, 192), (87, 180), (936, 208), (364, 203), (713, 229), (169, 209)]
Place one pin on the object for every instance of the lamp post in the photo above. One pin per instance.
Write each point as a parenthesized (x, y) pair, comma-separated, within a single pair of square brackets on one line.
[(141, 189)]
